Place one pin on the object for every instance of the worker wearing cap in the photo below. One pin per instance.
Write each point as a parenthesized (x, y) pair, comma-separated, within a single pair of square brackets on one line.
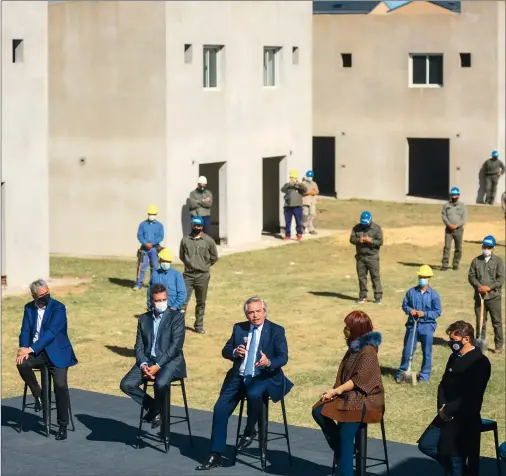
[(150, 234), (422, 304), (171, 279), (294, 194), (367, 238), (201, 201), (486, 276), (454, 215), (309, 202), (493, 168), (198, 253)]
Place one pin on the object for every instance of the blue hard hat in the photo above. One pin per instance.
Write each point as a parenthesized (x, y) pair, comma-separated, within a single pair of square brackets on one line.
[(365, 218), (309, 173), (489, 241), (199, 221), (455, 191), (495, 153)]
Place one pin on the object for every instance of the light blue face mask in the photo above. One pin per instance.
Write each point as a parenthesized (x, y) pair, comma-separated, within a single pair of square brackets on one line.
[(165, 266), (422, 282)]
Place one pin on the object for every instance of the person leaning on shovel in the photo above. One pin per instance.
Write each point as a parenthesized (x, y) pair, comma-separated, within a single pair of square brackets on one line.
[(422, 305), (486, 276)]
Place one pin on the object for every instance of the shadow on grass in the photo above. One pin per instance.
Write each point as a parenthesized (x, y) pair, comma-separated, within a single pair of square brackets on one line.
[(126, 283), (440, 341), (416, 265), (121, 351), (390, 371), (479, 243), (344, 297)]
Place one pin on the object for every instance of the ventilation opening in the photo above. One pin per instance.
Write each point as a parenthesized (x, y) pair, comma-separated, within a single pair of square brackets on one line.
[(346, 59), (465, 60), (188, 53), (17, 51)]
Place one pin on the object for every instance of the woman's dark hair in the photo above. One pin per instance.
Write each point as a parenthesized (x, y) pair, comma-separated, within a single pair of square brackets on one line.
[(157, 289), (359, 323), (461, 329)]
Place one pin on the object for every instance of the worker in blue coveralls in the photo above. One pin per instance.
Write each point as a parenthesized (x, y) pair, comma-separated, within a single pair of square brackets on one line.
[(169, 277), (150, 235), (423, 304)]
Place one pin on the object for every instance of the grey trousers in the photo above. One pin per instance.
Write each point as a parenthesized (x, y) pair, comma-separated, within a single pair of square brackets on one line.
[(491, 181), (308, 215), (199, 283), (457, 236), (369, 264), (492, 307)]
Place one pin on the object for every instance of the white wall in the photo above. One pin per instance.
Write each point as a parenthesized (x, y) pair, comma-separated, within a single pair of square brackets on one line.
[(24, 142)]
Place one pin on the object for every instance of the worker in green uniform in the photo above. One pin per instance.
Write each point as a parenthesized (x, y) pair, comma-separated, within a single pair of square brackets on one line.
[(486, 276), (198, 253), (367, 238), (454, 215), (493, 169)]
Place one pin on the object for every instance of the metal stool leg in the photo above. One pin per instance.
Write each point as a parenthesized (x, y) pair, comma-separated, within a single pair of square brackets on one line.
[(145, 389), (47, 386), (361, 456), (183, 390), (166, 422), (383, 435), (497, 456), (23, 406), (241, 408), (70, 416), (263, 432), (283, 410)]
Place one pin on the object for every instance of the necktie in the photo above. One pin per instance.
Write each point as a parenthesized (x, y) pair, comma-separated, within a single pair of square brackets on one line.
[(249, 370)]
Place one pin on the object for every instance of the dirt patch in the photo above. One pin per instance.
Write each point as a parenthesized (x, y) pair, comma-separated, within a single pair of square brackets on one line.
[(58, 287)]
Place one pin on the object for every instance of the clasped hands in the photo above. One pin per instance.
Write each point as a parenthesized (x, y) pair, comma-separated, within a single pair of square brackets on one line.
[(331, 394), (442, 415), (365, 239), (149, 372), (23, 353), (416, 314), (483, 289), (451, 227), (241, 351)]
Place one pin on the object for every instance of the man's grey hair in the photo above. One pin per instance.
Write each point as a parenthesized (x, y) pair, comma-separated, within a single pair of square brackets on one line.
[(256, 299), (36, 285)]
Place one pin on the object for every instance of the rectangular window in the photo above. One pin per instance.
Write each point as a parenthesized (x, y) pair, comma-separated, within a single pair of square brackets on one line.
[(347, 60), (426, 70), (271, 65), (212, 66), (188, 54), (17, 51), (465, 60), (295, 55)]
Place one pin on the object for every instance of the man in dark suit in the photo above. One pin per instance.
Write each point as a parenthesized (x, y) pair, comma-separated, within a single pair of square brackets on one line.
[(258, 349), (158, 353), (43, 341)]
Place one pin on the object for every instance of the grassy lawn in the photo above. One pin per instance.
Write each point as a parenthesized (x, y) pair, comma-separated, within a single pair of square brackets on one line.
[(310, 288)]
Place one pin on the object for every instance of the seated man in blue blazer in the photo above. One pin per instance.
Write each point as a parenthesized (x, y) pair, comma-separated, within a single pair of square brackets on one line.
[(158, 354), (43, 341), (258, 349)]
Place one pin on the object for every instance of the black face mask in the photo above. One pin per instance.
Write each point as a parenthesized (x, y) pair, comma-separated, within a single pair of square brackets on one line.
[(456, 346), (454, 200), (196, 231), (43, 300)]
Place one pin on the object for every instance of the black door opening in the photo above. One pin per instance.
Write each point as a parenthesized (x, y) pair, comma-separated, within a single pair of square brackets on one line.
[(429, 168), (324, 165), (213, 172), (271, 195)]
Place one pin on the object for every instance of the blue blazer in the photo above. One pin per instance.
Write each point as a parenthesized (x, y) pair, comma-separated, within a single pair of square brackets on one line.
[(53, 336), (273, 344)]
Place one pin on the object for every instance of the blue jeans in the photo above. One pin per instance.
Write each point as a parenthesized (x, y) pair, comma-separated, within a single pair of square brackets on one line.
[(424, 335), (428, 443), (149, 256), (291, 212), (341, 439)]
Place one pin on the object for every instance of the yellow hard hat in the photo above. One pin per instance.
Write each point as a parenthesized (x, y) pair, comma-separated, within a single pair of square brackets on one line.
[(152, 210), (426, 271), (166, 255), (294, 173)]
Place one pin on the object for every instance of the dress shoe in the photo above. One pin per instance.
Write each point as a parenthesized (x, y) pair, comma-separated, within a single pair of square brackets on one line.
[(149, 416), (498, 351), (214, 460), (62, 433), (246, 440), (200, 331), (156, 421), (37, 405)]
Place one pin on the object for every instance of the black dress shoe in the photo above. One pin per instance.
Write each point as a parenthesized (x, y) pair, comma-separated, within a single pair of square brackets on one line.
[(149, 416), (156, 422), (38, 405), (62, 433), (246, 440), (214, 460)]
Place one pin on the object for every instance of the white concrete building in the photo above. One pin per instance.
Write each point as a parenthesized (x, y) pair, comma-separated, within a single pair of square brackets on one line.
[(145, 96), (24, 196)]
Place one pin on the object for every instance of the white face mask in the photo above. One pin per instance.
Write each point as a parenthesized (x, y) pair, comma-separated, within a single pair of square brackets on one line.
[(151, 217), (165, 266), (161, 307), (486, 252), (309, 179)]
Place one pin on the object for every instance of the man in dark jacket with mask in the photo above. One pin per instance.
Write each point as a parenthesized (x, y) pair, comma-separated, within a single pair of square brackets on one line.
[(453, 437)]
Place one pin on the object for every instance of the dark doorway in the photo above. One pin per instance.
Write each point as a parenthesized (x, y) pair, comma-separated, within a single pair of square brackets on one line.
[(216, 177), (271, 194), (429, 168), (324, 165)]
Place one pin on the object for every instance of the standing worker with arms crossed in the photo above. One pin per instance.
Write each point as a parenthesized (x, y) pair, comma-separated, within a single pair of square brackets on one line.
[(493, 169), (294, 193), (454, 215), (367, 238), (201, 201)]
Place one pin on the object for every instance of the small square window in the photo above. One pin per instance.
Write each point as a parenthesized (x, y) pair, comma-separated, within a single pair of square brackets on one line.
[(465, 60), (188, 53), (347, 60), (271, 65), (295, 55), (17, 51)]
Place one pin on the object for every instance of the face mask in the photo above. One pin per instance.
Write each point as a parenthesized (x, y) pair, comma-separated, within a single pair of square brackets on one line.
[(486, 252), (422, 282), (309, 179), (347, 333), (456, 346), (165, 266), (454, 200), (151, 217), (43, 300), (202, 187), (161, 307), (196, 231)]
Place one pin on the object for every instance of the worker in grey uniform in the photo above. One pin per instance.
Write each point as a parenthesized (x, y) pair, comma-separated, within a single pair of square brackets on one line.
[(367, 238), (198, 253), (493, 169), (454, 215), (201, 201), (486, 276)]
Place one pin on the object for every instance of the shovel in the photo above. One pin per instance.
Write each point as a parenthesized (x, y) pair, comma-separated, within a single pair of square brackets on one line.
[(409, 376), (481, 341)]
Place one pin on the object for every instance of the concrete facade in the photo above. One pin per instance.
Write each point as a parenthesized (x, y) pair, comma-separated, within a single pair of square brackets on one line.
[(25, 196), (131, 121), (371, 109)]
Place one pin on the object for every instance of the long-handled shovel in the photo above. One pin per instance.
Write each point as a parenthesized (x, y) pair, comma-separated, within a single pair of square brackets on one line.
[(481, 341), (410, 376)]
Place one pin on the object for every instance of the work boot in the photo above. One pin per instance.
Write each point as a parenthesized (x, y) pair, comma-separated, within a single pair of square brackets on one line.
[(444, 268), (287, 238), (361, 300), (313, 232), (299, 237), (455, 267), (498, 351)]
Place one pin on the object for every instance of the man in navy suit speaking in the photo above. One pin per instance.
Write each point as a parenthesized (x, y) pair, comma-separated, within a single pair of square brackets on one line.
[(43, 341), (258, 350)]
